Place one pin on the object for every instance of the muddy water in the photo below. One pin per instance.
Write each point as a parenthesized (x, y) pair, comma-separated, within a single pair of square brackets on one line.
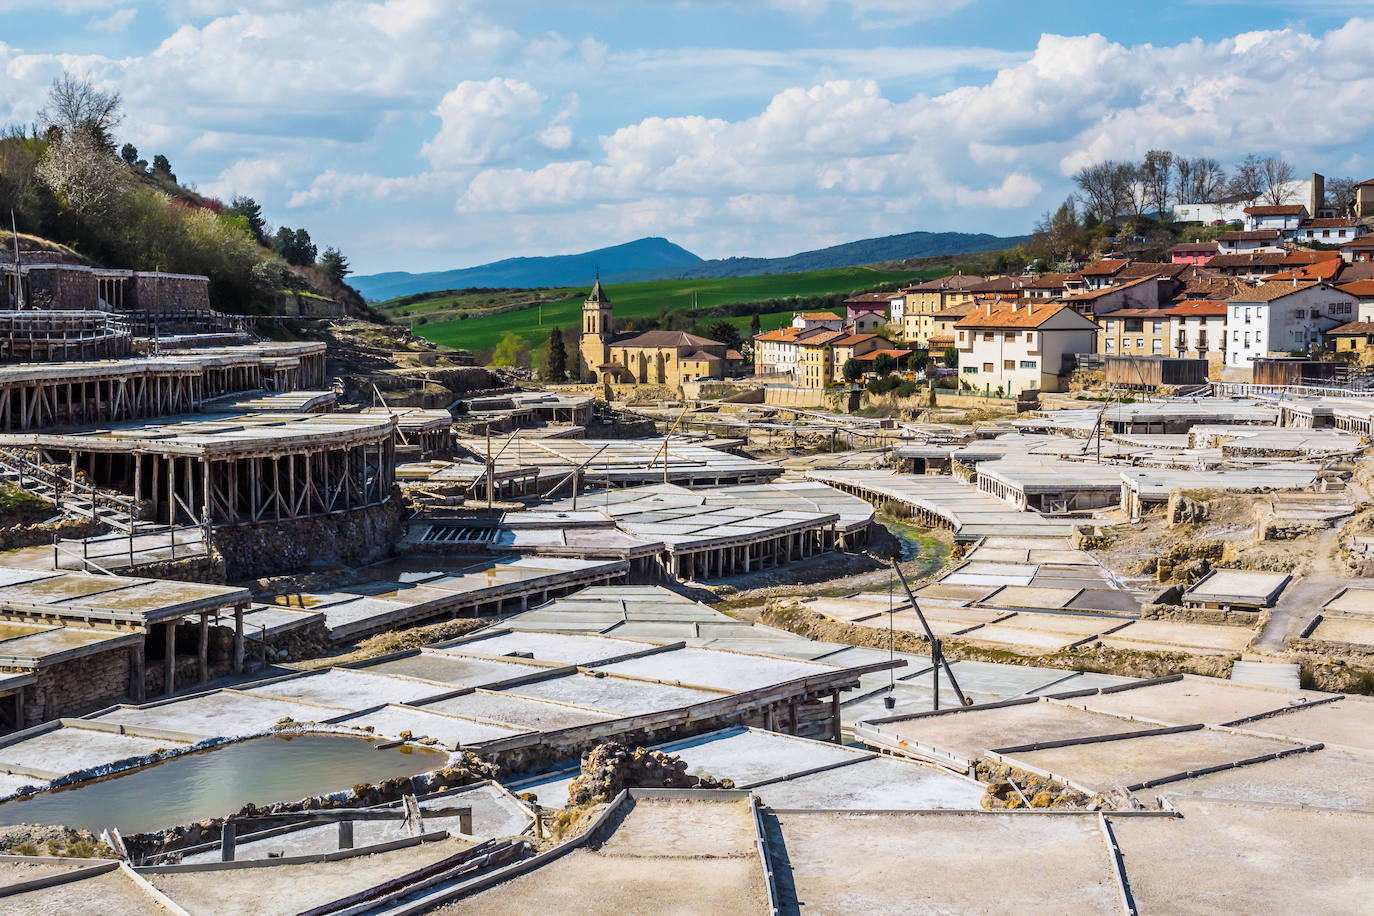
[(922, 554), (219, 781)]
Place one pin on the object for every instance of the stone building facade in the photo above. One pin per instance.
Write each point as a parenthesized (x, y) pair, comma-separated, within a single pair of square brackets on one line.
[(649, 358)]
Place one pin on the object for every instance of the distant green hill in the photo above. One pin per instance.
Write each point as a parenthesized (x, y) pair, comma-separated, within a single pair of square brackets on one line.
[(494, 313)]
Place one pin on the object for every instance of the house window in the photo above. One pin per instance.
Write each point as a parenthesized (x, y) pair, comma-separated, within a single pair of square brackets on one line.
[(987, 335), (1011, 337), (1300, 313), (1027, 364), (1158, 345), (1140, 343), (970, 370), (987, 367), (1159, 326), (1110, 344), (1247, 338), (961, 337), (1008, 364)]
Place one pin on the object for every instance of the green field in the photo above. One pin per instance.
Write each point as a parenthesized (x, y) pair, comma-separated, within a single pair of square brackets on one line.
[(480, 333)]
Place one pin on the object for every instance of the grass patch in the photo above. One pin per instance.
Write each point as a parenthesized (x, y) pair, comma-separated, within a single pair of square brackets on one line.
[(20, 507), (519, 311)]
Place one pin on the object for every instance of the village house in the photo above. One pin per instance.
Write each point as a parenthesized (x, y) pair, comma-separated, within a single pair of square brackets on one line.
[(1281, 317), (1331, 231), (816, 363), (807, 320), (925, 300), (1359, 250), (776, 353), (1245, 241), (1198, 253), (647, 358), (1197, 329), (1281, 217), (1363, 291), (942, 334), (853, 346), (1047, 286), (1364, 199), (1253, 265), (1020, 345), (1355, 337), (1135, 332), (873, 305), (1139, 293)]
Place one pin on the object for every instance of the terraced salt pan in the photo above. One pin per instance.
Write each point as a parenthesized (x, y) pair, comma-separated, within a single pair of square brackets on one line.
[(750, 757), (1104, 765), (877, 784), (347, 689), (224, 713), (1190, 699), (612, 694), (1328, 778), (656, 827), (721, 670), (1355, 630), (518, 712), (1348, 722), (111, 892), (1195, 637), (456, 670), (565, 648), (390, 721), (67, 750), (1014, 596)]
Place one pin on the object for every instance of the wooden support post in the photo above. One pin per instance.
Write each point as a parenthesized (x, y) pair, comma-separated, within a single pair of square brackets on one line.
[(204, 647), (169, 661), (345, 834), (238, 639), (227, 842), (136, 675), (835, 716)]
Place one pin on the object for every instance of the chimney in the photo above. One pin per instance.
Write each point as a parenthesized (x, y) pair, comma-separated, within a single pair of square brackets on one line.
[(1318, 198)]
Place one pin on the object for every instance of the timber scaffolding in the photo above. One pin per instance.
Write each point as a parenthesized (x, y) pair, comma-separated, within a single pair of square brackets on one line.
[(233, 469), (41, 395), (33, 336)]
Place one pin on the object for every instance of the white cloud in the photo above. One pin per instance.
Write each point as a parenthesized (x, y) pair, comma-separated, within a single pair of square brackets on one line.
[(118, 21), (482, 121)]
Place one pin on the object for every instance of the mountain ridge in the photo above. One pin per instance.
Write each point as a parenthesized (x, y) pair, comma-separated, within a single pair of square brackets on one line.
[(657, 258)]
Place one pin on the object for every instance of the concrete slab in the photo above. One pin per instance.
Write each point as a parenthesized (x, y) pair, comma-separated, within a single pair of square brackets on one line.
[(1106, 765), (564, 648), (66, 750), (1237, 588), (223, 713), (346, 689), (460, 671), (1106, 600), (1031, 596), (877, 784), (1356, 602), (970, 733), (722, 670), (451, 731), (1195, 699), (1191, 637), (112, 892), (1226, 857), (661, 827), (293, 888), (517, 712), (970, 863), (1358, 631), (1348, 722), (1328, 778), (750, 757), (952, 592), (612, 694)]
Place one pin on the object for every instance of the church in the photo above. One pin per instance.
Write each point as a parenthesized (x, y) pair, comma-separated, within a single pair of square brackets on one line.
[(648, 357)]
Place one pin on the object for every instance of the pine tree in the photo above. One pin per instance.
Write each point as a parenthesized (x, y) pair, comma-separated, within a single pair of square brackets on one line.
[(556, 359), (755, 326)]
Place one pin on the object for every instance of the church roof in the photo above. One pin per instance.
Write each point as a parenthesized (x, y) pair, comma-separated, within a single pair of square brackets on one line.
[(663, 339), (597, 294)]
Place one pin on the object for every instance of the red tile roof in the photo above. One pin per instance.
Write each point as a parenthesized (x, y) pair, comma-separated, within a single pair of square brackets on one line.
[(1195, 246), (1032, 314), (781, 335), (1104, 268), (1250, 235), (820, 316), (1276, 210), (1362, 242), (1354, 328), (1362, 288), (1273, 289), (1197, 308)]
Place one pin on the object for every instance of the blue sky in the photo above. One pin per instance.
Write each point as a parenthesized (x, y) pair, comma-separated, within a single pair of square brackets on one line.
[(421, 135)]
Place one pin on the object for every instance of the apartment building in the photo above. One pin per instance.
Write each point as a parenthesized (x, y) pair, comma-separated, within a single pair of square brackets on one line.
[(1019, 345), (925, 300), (1279, 317), (1197, 329), (1135, 332)]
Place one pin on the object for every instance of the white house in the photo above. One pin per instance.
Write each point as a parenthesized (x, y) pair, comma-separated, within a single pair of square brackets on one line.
[(776, 353), (896, 309), (1336, 231), (805, 321), (1244, 242), (1282, 316), (1283, 217), (1019, 345)]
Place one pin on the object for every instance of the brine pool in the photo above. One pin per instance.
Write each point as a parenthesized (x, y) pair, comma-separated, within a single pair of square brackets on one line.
[(221, 780)]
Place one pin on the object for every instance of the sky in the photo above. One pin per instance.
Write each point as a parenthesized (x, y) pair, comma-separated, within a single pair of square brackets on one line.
[(423, 135)]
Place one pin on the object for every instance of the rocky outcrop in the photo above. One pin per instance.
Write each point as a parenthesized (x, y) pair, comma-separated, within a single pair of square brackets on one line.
[(609, 768)]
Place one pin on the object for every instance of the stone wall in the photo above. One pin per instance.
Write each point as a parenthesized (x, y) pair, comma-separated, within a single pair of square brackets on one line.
[(167, 292), (42, 533), (60, 289), (349, 538), (78, 686)]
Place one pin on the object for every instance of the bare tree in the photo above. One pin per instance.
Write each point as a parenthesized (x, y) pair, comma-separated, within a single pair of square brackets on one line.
[(1340, 195), (1278, 177), (1209, 178), (1128, 190), (1095, 183), (1183, 181), (1247, 181), (1155, 173), (75, 106)]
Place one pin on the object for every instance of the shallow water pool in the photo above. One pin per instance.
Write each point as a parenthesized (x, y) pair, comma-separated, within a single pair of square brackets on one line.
[(220, 781)]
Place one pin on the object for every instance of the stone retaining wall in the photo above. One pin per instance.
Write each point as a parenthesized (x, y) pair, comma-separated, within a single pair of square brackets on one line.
[(351, 538), (78, 686)]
